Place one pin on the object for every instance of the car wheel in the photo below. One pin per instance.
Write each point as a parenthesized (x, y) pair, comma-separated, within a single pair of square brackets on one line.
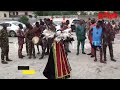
[(12, 34)]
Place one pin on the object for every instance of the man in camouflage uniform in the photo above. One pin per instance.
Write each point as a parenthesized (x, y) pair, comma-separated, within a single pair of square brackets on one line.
[(4, 41), (29, 35), (108, 37)]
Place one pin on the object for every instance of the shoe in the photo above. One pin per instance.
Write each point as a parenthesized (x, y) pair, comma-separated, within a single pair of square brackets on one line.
[(8, 60), (4, 62), (89, 54), (29, 57), (23, 56), (92, 56), (95, 60), (83, 53), (113, 60), (77, 53), (105, 59), (46, 53), (41, 57), (34, 57), (102, 61), (38, 53), (69, 51)]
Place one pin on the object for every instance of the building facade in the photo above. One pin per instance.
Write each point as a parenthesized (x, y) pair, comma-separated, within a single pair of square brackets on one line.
[(11, 14), (20, 13), (4, 14)]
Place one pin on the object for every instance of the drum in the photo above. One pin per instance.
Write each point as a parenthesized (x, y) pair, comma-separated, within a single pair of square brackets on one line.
[(35, 40)]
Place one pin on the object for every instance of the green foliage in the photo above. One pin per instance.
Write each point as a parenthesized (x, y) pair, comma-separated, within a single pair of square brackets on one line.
[(47, 13), (118, 12), (24, 19)]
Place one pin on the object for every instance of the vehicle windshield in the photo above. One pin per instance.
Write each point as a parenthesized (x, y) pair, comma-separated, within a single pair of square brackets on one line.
[(57, 22), (16, 23), (75, 21)]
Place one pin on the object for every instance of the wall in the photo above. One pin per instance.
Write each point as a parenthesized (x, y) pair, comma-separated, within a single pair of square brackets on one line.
[(2, 14)]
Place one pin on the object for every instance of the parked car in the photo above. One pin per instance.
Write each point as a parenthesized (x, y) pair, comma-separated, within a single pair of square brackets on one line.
[(17, 23), (74, 23), (11, 28)]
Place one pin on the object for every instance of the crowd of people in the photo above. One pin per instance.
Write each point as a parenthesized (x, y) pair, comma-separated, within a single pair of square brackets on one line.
[(99, 32)]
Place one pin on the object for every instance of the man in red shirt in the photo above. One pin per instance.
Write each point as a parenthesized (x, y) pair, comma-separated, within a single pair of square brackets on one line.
[(21, 37), (93, 23)]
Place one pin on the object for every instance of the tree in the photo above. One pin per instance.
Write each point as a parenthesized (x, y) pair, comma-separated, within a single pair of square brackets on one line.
[(24, 19), (118, 12), (47, 13)]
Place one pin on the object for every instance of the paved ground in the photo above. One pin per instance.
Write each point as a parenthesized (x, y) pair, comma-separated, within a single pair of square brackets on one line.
[(83, 67)]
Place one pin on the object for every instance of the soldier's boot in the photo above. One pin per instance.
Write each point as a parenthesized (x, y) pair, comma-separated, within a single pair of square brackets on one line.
[(20, 53), (29, 57), (7, 59), (2, 60)]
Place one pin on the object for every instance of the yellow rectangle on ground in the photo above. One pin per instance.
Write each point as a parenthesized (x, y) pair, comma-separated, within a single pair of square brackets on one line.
[(28, 72)]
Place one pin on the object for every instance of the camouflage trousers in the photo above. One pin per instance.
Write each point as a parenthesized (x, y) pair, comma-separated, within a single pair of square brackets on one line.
[(20, 50), (4, 52), (110, 50), (27, 47), (31, 49)]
